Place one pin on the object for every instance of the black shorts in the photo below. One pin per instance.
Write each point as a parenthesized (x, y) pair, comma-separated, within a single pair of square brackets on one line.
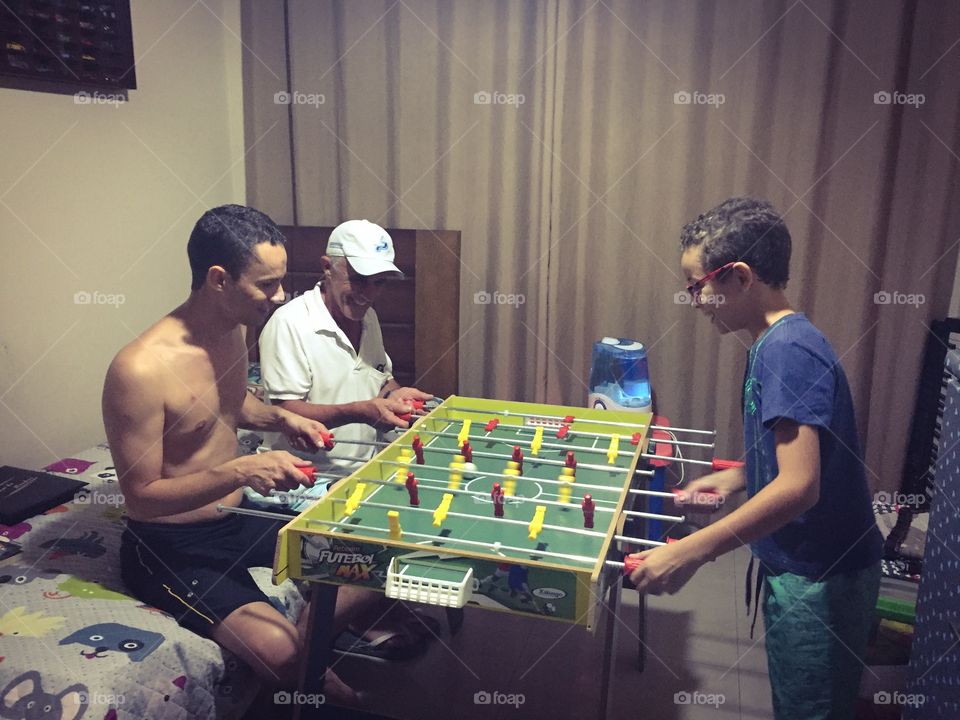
[(197, 571)]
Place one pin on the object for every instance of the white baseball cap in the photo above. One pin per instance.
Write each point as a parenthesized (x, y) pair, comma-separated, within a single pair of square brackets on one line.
[(366, 246)]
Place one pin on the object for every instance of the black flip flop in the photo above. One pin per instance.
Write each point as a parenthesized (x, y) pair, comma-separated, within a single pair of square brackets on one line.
[(350, 642)]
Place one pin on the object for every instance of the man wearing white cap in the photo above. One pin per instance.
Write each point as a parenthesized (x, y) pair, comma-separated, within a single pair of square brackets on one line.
[(322, 353), (322, 356)]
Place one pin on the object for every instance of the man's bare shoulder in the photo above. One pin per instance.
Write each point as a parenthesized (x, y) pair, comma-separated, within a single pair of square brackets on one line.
[(150, 354)]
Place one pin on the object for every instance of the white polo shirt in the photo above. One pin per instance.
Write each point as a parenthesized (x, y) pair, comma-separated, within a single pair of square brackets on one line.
[(304, 355)]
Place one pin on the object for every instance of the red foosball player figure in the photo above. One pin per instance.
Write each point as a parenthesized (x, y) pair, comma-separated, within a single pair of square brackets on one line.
[(497, 496), (588, 507), (418, 449), (411, 484), (466, 451), (571, 461), (518, 457)]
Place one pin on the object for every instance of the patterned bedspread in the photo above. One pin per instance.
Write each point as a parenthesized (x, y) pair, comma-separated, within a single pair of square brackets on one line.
[(71, 638)]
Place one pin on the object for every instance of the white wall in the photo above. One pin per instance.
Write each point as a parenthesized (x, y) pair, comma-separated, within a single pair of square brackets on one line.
[(102, 198)]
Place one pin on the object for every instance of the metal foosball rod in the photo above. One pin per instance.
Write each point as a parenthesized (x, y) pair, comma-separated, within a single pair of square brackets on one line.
[(508, 521), (517, 499), (652, 493), (563, 420), (586, 486), (654, 516), (695, 431), (495, 456), (651, 456), (559, 419), (443, 539), (286, 517), (716, 464), (685, 443), (628, 565), (638, 541), (471, 493), (523, 443)]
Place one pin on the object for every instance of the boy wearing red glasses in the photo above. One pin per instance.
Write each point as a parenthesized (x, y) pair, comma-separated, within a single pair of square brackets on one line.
[(808, 517)]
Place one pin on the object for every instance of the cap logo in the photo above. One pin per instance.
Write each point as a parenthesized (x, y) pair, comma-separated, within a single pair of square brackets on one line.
[(382, 246)]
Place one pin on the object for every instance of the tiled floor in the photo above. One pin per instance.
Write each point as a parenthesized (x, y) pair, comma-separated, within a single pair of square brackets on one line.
[(699, 649)]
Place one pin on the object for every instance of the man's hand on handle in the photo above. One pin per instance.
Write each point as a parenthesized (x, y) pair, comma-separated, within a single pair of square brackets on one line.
[(274, 470)]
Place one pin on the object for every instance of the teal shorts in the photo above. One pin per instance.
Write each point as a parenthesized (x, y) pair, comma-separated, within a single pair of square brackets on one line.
[(816, 636)]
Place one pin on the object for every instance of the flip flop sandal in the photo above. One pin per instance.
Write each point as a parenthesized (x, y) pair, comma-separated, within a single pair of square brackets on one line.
[(384, 649)]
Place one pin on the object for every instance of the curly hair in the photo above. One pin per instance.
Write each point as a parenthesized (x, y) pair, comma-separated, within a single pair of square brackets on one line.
[(742, 229)]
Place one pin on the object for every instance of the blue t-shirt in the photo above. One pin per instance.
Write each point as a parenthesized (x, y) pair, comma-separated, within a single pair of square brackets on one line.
[(793, 373)]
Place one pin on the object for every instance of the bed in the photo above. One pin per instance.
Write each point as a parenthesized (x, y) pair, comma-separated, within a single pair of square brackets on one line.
[(73, 640)]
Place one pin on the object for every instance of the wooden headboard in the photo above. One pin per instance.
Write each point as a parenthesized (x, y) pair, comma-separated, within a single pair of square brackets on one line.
[(419, 315)]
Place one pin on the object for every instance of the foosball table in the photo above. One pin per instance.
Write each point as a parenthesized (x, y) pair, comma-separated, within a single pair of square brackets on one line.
[(510, 506)]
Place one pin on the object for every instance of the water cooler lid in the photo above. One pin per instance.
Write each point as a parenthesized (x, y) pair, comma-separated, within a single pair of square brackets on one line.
[(622, 343)]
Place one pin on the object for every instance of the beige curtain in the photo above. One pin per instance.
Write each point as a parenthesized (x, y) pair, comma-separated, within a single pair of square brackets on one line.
[(571, 184)]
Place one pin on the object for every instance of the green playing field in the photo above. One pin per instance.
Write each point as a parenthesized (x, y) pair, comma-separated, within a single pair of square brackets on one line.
[(563, 540)]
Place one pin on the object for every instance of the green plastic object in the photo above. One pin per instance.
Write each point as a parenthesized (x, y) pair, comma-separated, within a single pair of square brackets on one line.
[(897, 610)]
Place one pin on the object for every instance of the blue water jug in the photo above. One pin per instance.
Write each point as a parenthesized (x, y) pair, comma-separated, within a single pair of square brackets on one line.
[(619, 376)]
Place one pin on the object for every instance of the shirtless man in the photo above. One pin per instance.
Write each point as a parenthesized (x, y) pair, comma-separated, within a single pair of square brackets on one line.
[(172, 402)]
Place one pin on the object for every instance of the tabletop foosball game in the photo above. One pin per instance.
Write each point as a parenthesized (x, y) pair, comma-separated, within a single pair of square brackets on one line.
[(509, 506)]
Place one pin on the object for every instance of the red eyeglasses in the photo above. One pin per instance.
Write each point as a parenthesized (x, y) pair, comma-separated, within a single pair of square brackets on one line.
[(695, 288)]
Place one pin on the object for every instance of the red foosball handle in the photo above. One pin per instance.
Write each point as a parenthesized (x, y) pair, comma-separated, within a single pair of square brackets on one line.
[(308, 470), (631, 563), (327, 438), (417, 405), (719, 464)]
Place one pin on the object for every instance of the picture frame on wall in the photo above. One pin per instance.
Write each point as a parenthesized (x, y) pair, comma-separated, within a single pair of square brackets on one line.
[(67, 45)]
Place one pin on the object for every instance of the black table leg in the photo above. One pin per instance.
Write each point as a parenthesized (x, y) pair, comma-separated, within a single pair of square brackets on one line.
[(609, 647), (454, 619), (318, 639), (319, 643)]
